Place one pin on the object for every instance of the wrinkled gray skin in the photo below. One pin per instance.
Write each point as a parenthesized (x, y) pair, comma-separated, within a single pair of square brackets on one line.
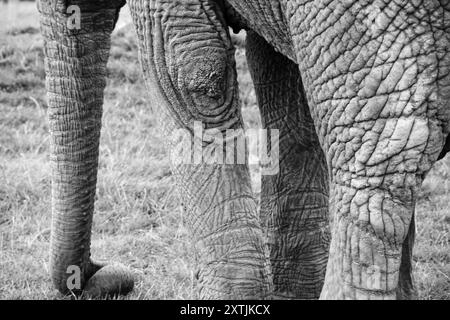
[(359, 90)]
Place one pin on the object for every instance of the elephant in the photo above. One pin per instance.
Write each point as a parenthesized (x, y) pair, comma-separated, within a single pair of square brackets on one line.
[(359, 91)]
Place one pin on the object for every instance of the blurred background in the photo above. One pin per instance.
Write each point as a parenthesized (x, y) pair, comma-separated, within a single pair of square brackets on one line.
[(138, 220)]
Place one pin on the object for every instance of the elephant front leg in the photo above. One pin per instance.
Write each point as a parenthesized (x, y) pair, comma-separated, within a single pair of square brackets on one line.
[(294, 202), (188, 62), (379, 99)]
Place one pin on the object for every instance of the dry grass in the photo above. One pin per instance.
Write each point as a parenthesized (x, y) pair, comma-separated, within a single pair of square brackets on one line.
[(138, 220)]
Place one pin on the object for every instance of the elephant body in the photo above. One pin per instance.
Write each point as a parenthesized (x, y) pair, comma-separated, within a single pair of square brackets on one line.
[(360, 93)]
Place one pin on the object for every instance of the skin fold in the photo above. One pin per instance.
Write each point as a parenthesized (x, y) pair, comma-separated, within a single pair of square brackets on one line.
[(359, 90)]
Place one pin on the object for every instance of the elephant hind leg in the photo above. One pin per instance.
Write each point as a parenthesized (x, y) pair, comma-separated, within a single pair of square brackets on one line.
[(294, 202)]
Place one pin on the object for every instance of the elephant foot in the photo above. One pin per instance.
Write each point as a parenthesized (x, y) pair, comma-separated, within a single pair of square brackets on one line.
[(336, 288), (345, 291), (355, 277)]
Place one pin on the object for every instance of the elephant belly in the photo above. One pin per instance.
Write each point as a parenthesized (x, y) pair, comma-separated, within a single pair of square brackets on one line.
[(268, 19)]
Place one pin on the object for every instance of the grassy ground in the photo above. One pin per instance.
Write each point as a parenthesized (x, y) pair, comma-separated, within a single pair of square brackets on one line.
[(138, 219)]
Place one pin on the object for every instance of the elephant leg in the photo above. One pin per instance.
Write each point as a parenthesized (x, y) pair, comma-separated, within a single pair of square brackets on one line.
[(189, 68), (378, 94), (75, 61), (294, 202), (406, 288), (372, 242)]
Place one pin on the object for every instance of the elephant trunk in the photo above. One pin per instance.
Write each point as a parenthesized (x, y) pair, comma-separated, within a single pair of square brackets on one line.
[(76, 58)]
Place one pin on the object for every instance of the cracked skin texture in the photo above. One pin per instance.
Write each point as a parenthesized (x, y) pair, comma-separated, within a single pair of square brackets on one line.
[(379, 96), (360, 91)]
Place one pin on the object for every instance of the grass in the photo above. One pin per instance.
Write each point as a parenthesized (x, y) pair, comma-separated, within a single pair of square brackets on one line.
[(138, 220)]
